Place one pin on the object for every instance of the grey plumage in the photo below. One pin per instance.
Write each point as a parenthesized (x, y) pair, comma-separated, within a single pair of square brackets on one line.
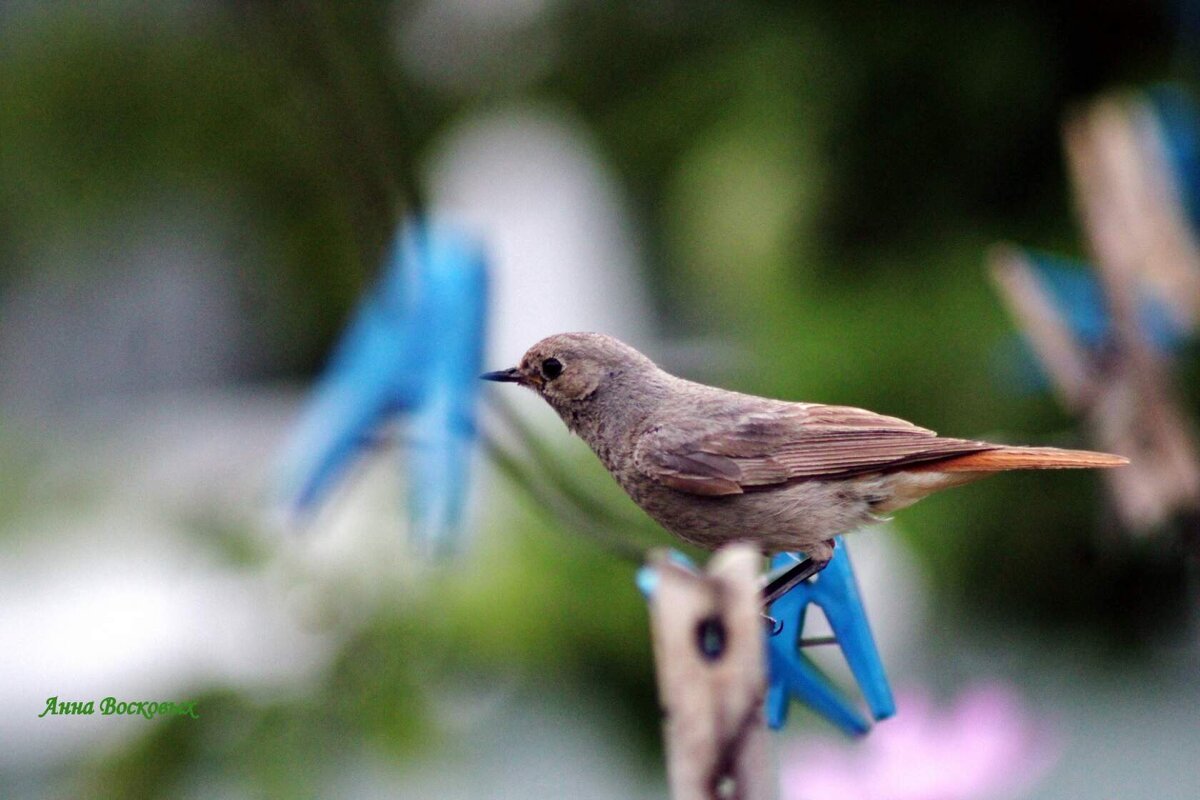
[(713, 466)]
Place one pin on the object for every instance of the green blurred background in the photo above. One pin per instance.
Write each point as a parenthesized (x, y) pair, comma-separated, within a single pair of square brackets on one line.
[(192, 196)]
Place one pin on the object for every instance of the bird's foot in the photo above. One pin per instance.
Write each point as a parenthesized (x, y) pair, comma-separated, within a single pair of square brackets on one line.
[(801, 571)]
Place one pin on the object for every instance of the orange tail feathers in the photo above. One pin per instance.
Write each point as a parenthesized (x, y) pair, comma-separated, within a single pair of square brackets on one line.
[(1006, 458)]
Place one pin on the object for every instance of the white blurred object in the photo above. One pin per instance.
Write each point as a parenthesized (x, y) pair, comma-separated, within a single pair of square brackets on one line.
[(564, 258), (109, 591)]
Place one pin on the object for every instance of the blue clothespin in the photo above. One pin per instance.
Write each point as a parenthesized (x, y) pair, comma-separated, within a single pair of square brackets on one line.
[(1074, 287), (1075, 291), (792, 674), (1179, 131), (415, 346)]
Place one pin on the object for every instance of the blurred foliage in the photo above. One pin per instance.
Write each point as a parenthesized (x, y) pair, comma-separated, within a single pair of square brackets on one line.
[(815, 182), (522, 611)]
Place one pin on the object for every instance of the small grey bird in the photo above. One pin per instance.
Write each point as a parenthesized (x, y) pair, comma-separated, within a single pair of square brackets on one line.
[(713, 466)]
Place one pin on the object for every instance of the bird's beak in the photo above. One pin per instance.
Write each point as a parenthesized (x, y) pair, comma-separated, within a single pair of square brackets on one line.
[(511, 375)]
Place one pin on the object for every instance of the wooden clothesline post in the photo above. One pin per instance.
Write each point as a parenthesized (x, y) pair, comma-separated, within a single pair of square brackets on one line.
[(709, 655)]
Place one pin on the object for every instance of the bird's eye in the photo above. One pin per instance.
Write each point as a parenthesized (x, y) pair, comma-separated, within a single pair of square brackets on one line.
[(551, 368)]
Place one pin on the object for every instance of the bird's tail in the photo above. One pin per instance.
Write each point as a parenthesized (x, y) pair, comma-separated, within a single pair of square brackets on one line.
[(1006, 458)]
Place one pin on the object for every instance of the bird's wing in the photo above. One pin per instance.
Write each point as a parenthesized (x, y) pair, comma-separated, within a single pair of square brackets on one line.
[(763, 444)]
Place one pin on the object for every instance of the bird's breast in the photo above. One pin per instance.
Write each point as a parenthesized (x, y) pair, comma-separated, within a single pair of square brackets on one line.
[(611, 446)]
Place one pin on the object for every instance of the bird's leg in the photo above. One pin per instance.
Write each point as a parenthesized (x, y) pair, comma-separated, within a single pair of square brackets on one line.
[(784, 583), (797, 573)]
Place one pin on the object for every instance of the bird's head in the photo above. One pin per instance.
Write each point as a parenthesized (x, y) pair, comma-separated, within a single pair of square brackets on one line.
[(571, 368)]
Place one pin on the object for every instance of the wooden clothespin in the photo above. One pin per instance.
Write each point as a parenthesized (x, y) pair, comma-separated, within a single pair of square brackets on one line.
[(1140, 242), (708, 632)]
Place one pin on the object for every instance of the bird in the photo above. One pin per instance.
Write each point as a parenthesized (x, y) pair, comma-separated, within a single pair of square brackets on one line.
[(714, 466)]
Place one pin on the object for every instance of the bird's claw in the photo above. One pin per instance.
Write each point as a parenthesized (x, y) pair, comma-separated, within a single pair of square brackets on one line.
[(783, 583)]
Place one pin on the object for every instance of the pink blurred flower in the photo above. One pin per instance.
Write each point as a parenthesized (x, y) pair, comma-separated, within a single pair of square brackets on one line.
[(987, 745)]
